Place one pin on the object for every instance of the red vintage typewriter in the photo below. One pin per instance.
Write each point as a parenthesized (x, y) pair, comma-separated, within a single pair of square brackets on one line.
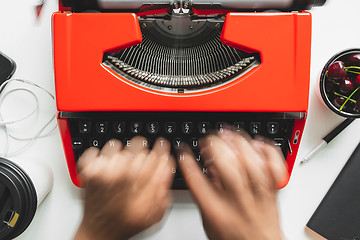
[(179, 68)]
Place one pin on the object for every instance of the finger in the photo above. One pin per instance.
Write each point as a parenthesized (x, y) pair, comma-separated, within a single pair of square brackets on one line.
[(87, 157), (224, 161), (197, 183), (136, 145), (118, 166), (136, 165), (249, 159), (228, 136), (111, 147), (165, 161), (138, 148), (161, 146), (160, 151), (276, 164), (156, 158), (239, 131), (92, 172), (163, 175), (214, 178), (159, 185)]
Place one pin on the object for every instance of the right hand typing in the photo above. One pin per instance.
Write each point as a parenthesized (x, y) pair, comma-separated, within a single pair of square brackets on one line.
[(238, 200)]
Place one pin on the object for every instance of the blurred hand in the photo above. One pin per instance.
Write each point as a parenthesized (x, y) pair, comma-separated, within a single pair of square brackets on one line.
[(238, 200), (126, 188)]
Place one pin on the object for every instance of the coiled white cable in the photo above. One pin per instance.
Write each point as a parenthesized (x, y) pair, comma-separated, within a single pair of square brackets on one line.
[(4, 123)]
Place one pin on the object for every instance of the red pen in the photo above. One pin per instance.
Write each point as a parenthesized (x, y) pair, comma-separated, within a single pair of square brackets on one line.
[(38, 8)]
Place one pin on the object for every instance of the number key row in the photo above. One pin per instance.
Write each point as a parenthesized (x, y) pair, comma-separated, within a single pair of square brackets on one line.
[(154, 127), (138, 127)]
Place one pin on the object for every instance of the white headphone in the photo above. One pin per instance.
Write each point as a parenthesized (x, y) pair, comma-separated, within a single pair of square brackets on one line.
[(4, 123)]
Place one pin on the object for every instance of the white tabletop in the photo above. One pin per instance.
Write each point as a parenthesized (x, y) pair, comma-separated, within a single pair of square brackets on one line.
[(28, 41)]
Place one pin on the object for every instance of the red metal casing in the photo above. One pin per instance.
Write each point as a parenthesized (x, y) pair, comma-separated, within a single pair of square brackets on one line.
[(279, 84)]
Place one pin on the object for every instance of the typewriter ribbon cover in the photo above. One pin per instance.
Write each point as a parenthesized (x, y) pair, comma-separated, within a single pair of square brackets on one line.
[(90, 72)]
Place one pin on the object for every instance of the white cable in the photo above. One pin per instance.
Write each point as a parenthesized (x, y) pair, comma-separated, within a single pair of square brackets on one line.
[(6, 140), (22, 118), (31, 140), (3, 123)]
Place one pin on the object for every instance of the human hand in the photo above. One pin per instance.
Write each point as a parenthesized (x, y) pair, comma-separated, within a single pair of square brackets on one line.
[(126, 189), (238, 200)]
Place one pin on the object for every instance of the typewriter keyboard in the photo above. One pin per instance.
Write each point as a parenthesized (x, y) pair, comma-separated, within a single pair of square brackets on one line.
[(96, 128)]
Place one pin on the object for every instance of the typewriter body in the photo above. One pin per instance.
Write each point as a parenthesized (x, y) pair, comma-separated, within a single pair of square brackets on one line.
[(178, 69)]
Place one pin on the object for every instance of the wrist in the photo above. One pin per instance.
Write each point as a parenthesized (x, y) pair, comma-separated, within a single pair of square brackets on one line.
[(86, 233)]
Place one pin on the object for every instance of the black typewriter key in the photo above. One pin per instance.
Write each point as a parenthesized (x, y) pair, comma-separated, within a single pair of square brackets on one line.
[(177, 143), (239, 126), (95, 142), (180, 157), (127, 142), (204, 127), (255, 128), (84, 126), (278, 142), (146, 143), (194, 143), (152, 127), (170, 127), (187, 127), (77, 143), (198, 159), (173, 170), (220, 126), (136, 127), (101, 127), (119, 127), (272, 128)]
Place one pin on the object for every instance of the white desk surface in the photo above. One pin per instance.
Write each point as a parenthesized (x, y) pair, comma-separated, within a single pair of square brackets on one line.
[(336, 27)]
